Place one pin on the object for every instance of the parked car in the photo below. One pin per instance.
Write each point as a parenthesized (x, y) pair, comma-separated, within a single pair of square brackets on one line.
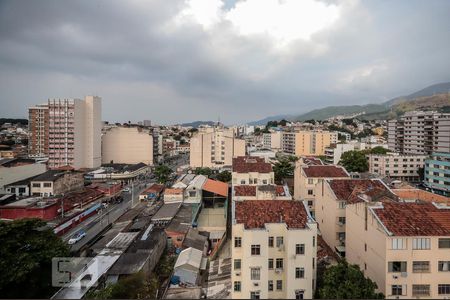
[(77, 237), (126, 190)]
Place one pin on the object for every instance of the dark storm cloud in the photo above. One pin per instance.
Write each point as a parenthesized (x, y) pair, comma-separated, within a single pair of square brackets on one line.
[(145, 63)]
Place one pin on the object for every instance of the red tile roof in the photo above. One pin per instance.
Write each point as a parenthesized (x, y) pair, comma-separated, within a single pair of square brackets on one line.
[(254, 214), (173, 191), (215, 186), (414, 219), (246, 164), (417, 194), (155, 188), (312, 161), (351, 190), (325, 171), (245, 190)]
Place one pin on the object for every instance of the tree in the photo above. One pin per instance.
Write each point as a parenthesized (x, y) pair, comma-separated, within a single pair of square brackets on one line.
[(162, 173), (26, 252), (345, 281), (378, 150), (354, 161), (283, 168), (224, 176), (203, 171)]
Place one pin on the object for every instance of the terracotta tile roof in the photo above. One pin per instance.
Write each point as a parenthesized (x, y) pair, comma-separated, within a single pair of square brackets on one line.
[(351, 190), (173, 191), (254, 214), (325, 171), (418, 194), (245, 190), (155, 188), (312, 161), (414, 219), (215, 186), (246, 164)]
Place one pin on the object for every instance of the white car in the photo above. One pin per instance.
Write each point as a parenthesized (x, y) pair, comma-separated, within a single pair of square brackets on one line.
[(77, 237), (126, 190)]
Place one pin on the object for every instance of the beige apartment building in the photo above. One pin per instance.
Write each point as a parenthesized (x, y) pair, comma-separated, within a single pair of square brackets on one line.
[(306, 177), (332, 196), (252, 170), (306, 142), (74, 132), (127, 145), (396, 166), (273, 250), (272, 140), (403, 246), (215, 147)]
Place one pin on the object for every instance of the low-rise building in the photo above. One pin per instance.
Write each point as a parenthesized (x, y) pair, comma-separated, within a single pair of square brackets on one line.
[(17, 169), (123, 173), (403, 246), (249, 170), (173, 195), (396, 166), (261, 192), (437, 173), (55, 182), (188, 267), (153, 192), (273, 250)]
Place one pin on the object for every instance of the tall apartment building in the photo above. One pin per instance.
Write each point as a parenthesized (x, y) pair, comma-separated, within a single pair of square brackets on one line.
[(38, 131), (420, 132), (395, 166), (403, 246), (437, 173), (272, 140), (74, 131), (334, 152), (215, 147), (306, 142), (127, 145), (274, 251)]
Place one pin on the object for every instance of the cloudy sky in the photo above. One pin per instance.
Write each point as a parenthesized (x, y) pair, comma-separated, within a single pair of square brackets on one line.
[(182, 60)]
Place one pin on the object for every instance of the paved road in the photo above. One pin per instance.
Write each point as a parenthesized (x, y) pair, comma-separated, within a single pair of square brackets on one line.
[(98, 223)]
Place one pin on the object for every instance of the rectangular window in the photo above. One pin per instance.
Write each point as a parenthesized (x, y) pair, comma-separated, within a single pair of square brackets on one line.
[(36, 185), (237, 242), (47, 184), (341, 204), (279, 241), (398, 244), (444, 243), (397, 290), (444, 266), (444, 289), (255, 274), (279, 285), (237, 264), (300, 249), (254, 295), (264, 181), (421, 290), (299, 295), (421, 243), (270, 285), (341, 220), (310, 181), (256, 249), (270, 263), (421, 266), (299, 272), (310, 192), (237, 286), (397, 266), (270, 241), (279, 263)]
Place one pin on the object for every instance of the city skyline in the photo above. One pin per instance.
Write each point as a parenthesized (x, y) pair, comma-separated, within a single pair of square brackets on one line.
[(181, 61)]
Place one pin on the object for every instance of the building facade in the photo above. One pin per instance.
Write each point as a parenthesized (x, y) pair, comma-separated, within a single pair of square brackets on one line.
[(272, 140), (38, 131), (251, 170), (397, 167), (437, 173), (420, 132), (127, 145), (215, 148), (306, 142)]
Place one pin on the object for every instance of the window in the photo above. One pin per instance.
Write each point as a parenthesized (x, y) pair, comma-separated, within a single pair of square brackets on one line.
[(397, 266), (256, 249), (314, 241), (237, 286), (237, 242), (270, 285), (299, 295), (270, 263), (237, 264), (421, 243), (310, 203), (255, 274), (300, 249), (254, 295), (444, 266), (314, 262), (421, 290), (341, 204), (36, 185), (397, 290), (444, 243), (310, 192), (310, 181), (279, 285), (398, 244), (264, 181), (47, 184), (444, 289), (242, 181), (270, 241), (341, 220), (421, 266), (279, 241), (192, 193), (365, 247), (279, 263), (299, 272)]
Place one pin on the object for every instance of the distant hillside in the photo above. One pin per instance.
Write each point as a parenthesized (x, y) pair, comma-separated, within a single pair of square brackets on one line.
[(330, 111), (440, 88), (13, 121), (197, 124), (272, 118)]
